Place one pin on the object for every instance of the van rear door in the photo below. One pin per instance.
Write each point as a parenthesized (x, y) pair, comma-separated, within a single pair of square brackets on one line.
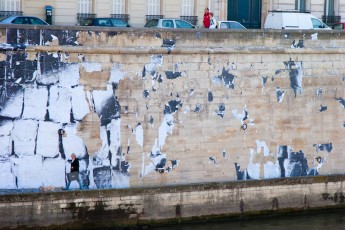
[(273, 20)]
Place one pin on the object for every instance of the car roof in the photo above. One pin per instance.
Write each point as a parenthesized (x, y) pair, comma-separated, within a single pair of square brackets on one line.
[(172, 19), (232, 22), (96, 21), (109, 18), (9, 19), (226, 21)]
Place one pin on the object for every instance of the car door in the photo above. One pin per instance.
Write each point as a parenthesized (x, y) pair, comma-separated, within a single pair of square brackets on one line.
[(317, 24), (36, 21), (20, 20), (183, 24), (118, 22), (236, 26), (167, 23)]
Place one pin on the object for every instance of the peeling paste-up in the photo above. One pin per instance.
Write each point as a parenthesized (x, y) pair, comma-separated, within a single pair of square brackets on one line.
[(7, 178), (296, 74), (35, 102), (106, 105), (6, 127), (166, 128), (262, 145), (59, 104), (73, 143), (139, 135), (280, 95), (324, 147), (253, 169), (53, 172), (116, 74), (48, 139), (24, 137), (341, 101), (80, 106), (227, 78), (271, 170), (29, 172), (210, 96), (11, 104), (92, 67), (69, 76)]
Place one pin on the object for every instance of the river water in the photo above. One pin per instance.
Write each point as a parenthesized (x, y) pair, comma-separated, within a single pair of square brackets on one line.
[(330, 220)]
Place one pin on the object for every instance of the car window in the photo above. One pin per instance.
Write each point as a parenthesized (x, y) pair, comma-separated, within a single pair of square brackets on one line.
[(168, 23), (101, 22), (317, 24), (223, 25), (236, 26), (338, 26), (20, 20), (118, 22), (36, 21), (183, 24), (151, 23)]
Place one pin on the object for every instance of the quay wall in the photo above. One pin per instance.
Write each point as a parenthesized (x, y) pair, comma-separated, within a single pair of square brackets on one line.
[(171, 204), (162, 108)]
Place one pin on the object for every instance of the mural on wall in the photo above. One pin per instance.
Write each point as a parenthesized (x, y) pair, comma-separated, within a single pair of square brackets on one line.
[(43, 104)]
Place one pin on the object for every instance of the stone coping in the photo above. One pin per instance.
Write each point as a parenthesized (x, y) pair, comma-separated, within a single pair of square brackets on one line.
[(35, 194)]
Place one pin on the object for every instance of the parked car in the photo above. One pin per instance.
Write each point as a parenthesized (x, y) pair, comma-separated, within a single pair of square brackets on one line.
[(111, 22), (230, 25), (288, 20), (169, 23), (27, 20), (339, 26)]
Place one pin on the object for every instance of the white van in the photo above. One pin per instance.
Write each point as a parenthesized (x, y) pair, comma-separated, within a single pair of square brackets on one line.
[(290, 20)]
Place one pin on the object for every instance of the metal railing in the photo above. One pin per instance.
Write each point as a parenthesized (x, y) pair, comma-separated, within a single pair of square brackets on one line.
[(330, 20), (10, 13), (149, 17), (124, 17), (191, 19), (82, 16)]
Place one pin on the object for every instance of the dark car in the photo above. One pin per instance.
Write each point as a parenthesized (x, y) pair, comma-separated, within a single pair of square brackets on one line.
[(339, 26), (26, 20), (111, 22)]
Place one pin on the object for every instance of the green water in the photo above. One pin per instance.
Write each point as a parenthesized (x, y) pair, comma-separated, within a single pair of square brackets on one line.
[(330, 220)]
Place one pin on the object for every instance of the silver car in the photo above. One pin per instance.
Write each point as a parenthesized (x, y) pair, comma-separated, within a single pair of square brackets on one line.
[(230, 25), (26, 20), (169, 23)]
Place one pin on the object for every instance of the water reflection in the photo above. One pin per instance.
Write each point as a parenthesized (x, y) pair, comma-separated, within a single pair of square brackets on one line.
[(334, 219)]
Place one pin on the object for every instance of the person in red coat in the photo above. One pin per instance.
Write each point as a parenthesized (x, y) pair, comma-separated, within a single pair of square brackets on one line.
[(207, 18)]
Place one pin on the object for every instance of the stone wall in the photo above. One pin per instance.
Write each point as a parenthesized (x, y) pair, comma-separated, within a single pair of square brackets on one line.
[(171, 204), (145, 107)]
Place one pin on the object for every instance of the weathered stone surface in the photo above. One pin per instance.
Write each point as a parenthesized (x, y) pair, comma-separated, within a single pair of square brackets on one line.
[(188, 113)]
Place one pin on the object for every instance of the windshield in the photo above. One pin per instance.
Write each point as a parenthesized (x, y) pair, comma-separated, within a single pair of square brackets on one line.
[(231, 25), (317, 24)]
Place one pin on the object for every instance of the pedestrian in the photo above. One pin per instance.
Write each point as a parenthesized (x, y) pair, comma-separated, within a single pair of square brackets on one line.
[(207, 18), (74, 173), (213, 21)]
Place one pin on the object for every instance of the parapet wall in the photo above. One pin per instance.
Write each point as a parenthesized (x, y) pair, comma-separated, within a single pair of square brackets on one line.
[(170, 204), (146, 107)]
